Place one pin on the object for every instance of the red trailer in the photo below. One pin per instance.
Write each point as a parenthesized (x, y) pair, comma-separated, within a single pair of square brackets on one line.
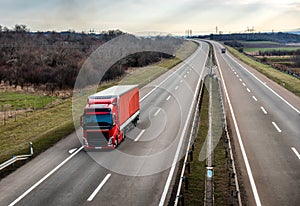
[(107, 115)]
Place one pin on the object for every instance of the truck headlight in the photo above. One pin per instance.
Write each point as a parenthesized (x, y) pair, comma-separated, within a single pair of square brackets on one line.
[(110, 140)]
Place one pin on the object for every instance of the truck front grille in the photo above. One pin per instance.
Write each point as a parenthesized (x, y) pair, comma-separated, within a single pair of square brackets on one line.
[(97, 139)]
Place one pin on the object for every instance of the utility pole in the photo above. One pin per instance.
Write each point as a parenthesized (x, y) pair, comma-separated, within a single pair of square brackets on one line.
[(188, 32)]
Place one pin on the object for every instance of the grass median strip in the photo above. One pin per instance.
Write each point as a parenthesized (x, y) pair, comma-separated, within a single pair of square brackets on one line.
[(289, 82), (195, 194)]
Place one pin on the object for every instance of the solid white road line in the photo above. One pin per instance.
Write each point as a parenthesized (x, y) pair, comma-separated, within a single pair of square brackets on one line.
[(176, 87), (139, 136), (264, 111), (45, 177), (277, 128), (265, 84), (168, 97), (156, 113), (244, 84), (72, 150), (248, 90), (296, 152), (254, 98), (98, 188), (172, 170), (248, 168)]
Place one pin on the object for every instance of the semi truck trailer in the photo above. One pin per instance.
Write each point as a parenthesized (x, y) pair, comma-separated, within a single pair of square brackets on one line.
[(108, 114)]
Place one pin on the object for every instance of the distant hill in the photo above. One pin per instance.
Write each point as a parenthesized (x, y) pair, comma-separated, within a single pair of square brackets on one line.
[(295, 31), (281, 37)]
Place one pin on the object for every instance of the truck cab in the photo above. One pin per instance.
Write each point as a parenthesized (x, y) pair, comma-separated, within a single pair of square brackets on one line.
[(107, 114), (99, 124)]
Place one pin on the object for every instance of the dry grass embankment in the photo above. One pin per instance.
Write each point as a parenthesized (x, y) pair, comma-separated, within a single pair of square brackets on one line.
[(289, 82)]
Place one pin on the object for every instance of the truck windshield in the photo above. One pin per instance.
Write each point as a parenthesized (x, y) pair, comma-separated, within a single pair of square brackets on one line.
[(95, 120)]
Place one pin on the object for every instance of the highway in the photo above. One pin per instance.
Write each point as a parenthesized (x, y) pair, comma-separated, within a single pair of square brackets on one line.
[(139, 172), (265, 120)]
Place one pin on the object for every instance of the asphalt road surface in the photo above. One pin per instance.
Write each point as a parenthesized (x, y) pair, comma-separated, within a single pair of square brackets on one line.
[(139, 172), (266, 127)]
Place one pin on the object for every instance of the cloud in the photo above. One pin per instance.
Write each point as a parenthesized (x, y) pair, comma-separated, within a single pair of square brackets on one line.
[(141, 15)]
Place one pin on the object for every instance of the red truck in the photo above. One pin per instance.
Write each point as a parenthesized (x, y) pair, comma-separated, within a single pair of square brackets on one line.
[(107, 115)]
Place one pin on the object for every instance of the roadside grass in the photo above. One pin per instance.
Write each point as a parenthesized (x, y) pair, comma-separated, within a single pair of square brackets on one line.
[(42, 126), (186, 50), (195, 193), (144, 75), (19, 100), (289, 82), (45, 127)]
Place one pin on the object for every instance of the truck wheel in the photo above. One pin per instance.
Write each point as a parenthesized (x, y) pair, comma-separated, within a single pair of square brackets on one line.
[(116, 143), (135, 122)]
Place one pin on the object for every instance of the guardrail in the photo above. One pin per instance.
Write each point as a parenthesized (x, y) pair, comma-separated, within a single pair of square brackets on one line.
[(190, 149), (236, 195), (17, 158), (231, 170)]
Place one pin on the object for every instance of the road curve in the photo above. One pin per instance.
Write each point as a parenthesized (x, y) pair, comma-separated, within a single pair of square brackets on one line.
[(134, 174), (267, 123)]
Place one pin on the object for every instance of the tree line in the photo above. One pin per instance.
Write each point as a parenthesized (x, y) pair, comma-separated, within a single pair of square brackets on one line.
[(52, 60)]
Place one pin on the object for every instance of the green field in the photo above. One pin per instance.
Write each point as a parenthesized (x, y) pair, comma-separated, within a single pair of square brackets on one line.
[(259, 42), (18, 100), (256, 50)]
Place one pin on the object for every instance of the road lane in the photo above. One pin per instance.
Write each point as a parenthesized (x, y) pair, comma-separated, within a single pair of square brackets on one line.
[(74, 183), (268, 127)]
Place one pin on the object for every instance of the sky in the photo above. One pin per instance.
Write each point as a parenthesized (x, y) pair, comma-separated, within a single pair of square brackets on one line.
[(152, 16)]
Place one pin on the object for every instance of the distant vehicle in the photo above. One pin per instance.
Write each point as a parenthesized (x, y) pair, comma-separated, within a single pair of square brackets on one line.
[(107, 115), (223, 50)]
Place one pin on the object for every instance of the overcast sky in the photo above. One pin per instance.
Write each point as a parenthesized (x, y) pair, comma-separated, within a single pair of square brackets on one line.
[(144, 16)]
